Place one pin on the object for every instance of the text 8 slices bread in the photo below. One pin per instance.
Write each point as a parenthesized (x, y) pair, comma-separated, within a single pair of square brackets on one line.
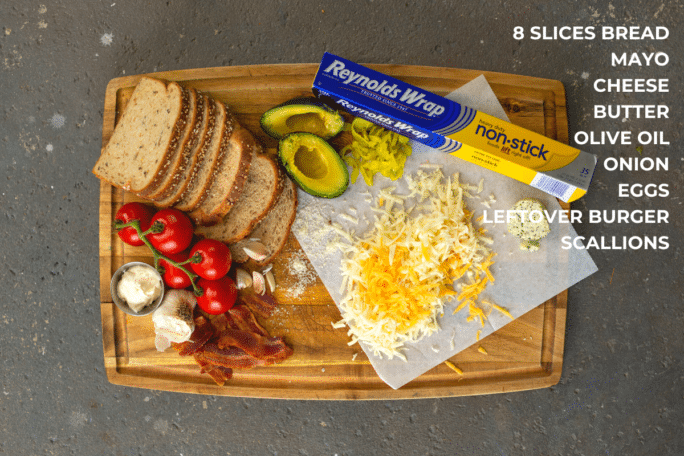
[(145, 136), (263, 186)]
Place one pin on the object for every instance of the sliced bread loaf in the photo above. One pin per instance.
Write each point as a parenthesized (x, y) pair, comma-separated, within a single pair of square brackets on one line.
[(228, 178), (200, 136), (200, 178), (273, 230), (264, 185), (180, 156), (145, 136)]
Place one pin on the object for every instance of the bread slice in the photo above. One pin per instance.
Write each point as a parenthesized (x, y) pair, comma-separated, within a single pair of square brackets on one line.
[(273, 230), (145, 136), (200, 178), (264, 185), (199, 136), (228, 179), (179, 156)]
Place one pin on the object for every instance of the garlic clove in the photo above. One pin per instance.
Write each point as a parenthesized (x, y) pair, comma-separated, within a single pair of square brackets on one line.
[(259, 282), (270, 280), (256, 250), (242, 279)]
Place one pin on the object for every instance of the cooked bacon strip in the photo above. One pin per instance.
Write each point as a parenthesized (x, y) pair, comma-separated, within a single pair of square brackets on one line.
[(200, 336), (205, 366), (220, 374), (233, 357), (245, 320), (235, 339), (272, 350), (222, 322), (263, 305)]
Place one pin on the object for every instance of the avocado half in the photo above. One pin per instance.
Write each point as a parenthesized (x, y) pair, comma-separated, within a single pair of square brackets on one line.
[(313, 164), (302, 114)]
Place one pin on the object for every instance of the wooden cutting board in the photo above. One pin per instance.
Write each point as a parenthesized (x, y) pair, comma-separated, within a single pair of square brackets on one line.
[(525, 354)]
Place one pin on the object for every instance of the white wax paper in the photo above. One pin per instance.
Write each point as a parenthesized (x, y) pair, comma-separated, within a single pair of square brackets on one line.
[(524, 280)]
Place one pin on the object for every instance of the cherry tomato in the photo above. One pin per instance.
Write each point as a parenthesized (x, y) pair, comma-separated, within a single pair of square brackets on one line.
[(176, 233), (173, 276), (215, 259), (134, 211), (218, 296)]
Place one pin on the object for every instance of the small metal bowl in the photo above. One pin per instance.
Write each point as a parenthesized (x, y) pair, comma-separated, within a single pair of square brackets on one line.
[(121, 304)]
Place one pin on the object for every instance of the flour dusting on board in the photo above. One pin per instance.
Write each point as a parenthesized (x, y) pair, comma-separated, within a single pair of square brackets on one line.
[(303, 273)]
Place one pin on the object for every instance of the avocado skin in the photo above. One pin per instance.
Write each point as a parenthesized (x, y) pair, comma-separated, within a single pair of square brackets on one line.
[(273, 121), (331, 185)]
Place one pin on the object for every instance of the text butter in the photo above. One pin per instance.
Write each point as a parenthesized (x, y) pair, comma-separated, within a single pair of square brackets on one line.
[(548, 165)]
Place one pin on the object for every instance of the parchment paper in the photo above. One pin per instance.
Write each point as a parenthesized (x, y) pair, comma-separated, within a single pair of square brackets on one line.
[(524, 280)]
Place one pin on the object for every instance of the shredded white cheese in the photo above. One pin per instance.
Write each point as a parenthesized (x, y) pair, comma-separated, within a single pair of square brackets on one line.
[(397, 275)]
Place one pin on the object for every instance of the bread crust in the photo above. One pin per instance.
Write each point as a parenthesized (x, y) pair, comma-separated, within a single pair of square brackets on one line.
[(165, 175), (217, 203), (276, 226), (241, 220), (120, 135), (181, 178), (197, 190)]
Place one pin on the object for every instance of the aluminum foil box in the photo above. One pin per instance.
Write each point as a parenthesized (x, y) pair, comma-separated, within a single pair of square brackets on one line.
[(474, 136)]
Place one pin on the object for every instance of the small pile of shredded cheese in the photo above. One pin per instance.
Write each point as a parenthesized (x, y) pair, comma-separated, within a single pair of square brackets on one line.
[(395, 277)]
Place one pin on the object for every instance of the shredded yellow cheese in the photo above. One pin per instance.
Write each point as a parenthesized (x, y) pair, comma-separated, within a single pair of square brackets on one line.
[(399, 273), (453, 367)]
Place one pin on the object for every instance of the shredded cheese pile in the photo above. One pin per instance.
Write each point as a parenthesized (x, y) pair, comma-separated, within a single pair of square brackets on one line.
[(396, 277)]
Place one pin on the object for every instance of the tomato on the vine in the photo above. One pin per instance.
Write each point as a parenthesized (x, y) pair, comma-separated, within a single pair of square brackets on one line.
[(134, 211), (173, 276), (215, 259), (218, 296), (176, 231)]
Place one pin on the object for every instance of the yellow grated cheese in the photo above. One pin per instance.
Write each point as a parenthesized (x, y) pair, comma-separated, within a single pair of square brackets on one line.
[(453, 367), (482, 350), (397, 275), (503, 311)]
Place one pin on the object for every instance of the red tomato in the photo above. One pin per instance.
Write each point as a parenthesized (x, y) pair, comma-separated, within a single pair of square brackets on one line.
[(173, 276), (218, 296), (134, 211), (176, 233), (215, 259)]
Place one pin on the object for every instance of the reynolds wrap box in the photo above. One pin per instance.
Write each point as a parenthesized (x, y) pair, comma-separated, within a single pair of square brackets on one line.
[(548, 165)]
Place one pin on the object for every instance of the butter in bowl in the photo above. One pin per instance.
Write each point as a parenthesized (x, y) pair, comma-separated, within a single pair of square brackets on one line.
[(137, 288)]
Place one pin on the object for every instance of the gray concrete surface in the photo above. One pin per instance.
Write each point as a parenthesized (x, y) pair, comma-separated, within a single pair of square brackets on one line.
[(622, 389)]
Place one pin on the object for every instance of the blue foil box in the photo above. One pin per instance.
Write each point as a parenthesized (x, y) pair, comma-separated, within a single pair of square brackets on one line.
[(548, 165), (367, 93)]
